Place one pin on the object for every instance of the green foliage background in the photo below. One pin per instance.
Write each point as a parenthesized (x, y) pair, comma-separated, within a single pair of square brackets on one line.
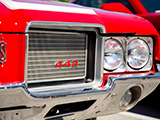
[(62, 0)]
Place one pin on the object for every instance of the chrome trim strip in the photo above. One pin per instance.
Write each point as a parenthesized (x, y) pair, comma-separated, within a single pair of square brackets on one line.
[(23, 85), (70, 24), (158, 67), (26, 59), (86, 56), (99, 57), (114, 78)]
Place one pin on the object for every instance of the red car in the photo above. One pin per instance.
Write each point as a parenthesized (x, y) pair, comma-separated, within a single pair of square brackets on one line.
[(149, 9), (61, 60)]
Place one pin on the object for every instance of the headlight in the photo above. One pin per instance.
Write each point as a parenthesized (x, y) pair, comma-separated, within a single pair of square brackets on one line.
[(138, 54), (113, 54)]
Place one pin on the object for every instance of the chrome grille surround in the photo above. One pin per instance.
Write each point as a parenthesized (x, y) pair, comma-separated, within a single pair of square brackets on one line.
[(98, 65)]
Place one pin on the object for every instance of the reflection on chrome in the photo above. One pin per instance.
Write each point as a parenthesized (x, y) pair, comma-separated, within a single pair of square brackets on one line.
[(113, 54), (138, 54)]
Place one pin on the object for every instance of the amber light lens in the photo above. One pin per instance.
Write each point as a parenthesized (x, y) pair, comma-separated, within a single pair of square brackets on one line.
[(113, 54)]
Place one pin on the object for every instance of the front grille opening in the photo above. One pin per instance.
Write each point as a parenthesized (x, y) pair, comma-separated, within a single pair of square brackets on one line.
[(91, 56), (45, 50), (69, 108), (36, 79)]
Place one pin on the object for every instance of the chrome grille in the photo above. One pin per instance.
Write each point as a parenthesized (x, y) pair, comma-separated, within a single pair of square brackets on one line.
[(46, 49)]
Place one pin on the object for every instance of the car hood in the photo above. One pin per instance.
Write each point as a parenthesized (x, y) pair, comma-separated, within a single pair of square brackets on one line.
[(16, 14), (154, 18)]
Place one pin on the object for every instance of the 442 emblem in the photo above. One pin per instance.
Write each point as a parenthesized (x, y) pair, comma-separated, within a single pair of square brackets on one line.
[(2, 52), (73, 63)]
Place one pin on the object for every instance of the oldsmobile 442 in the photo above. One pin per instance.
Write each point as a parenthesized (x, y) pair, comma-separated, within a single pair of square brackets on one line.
[(59, 60)]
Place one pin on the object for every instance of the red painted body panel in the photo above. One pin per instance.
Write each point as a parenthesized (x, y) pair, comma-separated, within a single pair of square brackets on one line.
[(16, 20), (113, 21), (124, 23), (121, 23), (154, 18), (114, 6), (48, 89), (12, 71), (20, 18)]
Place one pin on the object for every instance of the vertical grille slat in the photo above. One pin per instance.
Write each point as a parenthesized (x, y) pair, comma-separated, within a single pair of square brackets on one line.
[(46, 49)]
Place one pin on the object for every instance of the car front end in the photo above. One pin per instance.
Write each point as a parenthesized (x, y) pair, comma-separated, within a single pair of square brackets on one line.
[(71, 62)]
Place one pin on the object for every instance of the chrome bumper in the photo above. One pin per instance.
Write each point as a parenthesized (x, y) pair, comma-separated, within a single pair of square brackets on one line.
[(16, 103)]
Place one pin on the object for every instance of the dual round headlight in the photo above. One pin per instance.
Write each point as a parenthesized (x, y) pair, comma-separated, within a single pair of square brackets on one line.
[(137, 54), (113, 54)]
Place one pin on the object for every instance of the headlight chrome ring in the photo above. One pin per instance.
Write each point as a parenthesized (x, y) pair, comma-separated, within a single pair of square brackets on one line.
[(138, 54), (113, 54)]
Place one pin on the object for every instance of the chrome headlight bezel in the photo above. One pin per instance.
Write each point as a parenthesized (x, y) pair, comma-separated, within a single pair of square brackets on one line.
[(119, 52), (148, 65), (137, 47), (125, 66), (121, 42)]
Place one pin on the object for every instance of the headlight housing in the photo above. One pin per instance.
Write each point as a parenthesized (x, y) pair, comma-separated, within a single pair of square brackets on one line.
[(138, 54), (113, 54), (123, 54)]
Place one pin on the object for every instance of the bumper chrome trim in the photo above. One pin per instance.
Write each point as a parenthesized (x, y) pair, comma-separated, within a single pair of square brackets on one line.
[(107, 100)]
